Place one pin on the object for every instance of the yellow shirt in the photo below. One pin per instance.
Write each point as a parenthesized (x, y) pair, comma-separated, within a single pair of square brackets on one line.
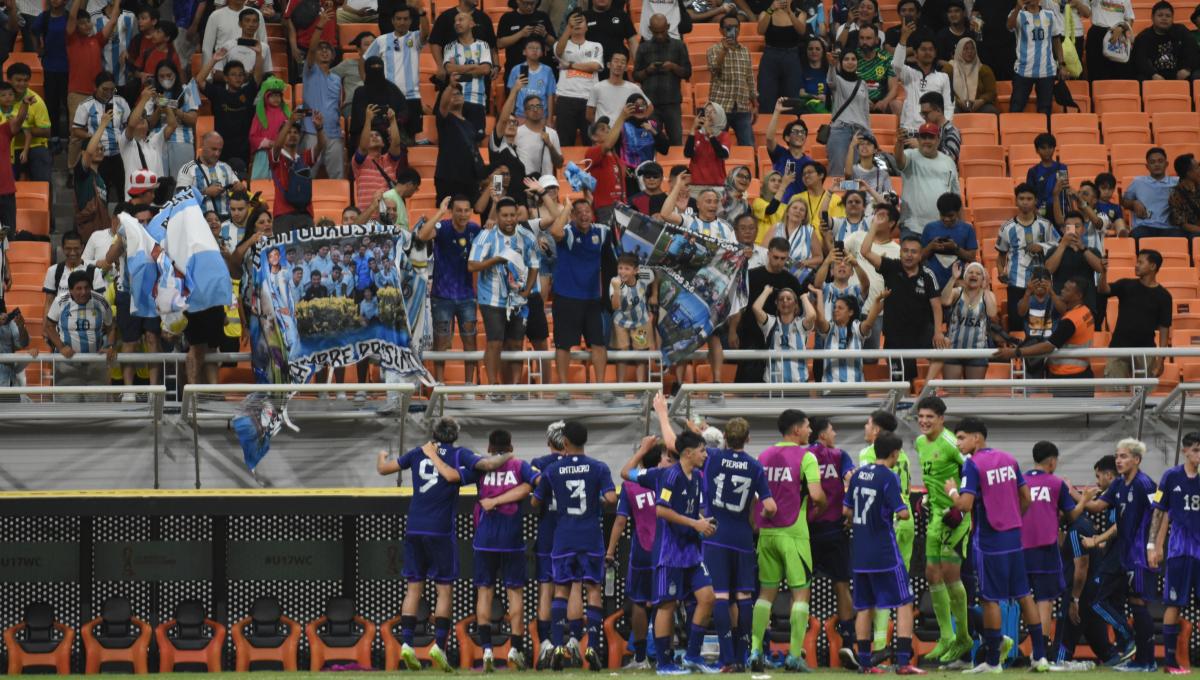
[(38, 117), (766, 221), (813, 202)]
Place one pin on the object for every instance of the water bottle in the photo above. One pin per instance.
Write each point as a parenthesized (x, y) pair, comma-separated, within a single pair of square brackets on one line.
[(610, 581)]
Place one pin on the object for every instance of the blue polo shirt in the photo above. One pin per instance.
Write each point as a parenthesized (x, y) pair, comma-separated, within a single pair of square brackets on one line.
[(961, 233), (323, 92), (577, 274), (1153, 193)]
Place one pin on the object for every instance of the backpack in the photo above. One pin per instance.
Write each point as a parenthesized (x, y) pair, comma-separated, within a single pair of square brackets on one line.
[(62, 267), (298, 193), (306, 13)]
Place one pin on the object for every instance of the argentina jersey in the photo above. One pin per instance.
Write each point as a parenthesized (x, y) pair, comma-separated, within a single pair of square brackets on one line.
[(1015, 239), (434, 498), (1035, 44), (577, 484), (715, 228), (792, 335), (634, 311), (968, 323), (492, 287), (732, 480), (118, 42), (401, 55), (677, 545), (848, 337), (474, 87), (88, 116), (799, 248)]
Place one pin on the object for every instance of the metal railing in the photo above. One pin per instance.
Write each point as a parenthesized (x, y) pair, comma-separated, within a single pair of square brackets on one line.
[(526, 400), (396, 409), (822, 398)]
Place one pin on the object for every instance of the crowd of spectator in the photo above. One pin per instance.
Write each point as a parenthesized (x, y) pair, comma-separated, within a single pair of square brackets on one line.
[(838, 257)]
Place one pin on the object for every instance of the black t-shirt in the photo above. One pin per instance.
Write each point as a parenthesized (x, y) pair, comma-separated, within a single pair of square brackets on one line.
[(442, 32), (891, 37), (609, 28), (512, 23), (233, 112), (1140, 313), (458, 150), (1073, 263), (907, 309), (749, 334)]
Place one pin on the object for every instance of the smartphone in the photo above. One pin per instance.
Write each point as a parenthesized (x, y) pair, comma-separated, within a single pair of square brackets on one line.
[(700, 112), (789, 168), (307, 113), (523, 70), (16, 314), (247, 42), (839, 246), (849, 185), (825, 218), (497, 183)]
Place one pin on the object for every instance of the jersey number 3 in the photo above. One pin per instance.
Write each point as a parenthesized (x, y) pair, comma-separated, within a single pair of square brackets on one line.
[(578, 497)]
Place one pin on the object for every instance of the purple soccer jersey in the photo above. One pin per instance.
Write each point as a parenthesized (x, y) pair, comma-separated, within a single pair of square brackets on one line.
[(577, 485), (873, 497), (1179, 496), (679, 545), (732, 480), (1133, 501), (434, 499)]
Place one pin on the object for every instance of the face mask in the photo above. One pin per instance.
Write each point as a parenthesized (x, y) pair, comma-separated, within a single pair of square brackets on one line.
[(167, 83)]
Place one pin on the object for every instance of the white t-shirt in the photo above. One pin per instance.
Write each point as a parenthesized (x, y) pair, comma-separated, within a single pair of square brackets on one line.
[(890, 249), (151, 152), (246, 55), (1109, 13), (609, 99), (667, 8), (573, 82), (97, 247), (925, 180), (533, 152), (222, 26), (59, 288)]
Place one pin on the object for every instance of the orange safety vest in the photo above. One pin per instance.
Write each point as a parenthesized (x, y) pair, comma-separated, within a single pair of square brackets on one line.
[(1085, 330)]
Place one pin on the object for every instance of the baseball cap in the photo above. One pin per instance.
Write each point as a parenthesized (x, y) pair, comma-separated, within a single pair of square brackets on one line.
[(929, 129), (142, 181), (649, 169), (548, 181)]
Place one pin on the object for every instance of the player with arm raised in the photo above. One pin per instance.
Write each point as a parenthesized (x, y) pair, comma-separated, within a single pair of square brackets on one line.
[(430, 549)]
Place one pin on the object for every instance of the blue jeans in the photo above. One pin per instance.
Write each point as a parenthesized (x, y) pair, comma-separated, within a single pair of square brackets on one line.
[(39, 166), (743, 127), (1020, 93), (778, 76), (447, 311), (839, 142)]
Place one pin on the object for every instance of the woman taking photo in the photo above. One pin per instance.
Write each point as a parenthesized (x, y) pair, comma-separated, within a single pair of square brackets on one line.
[(851, 109), (783, 26)]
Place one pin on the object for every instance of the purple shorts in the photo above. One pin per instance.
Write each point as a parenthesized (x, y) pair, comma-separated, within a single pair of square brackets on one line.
[(672, 584), (881, 589), (1001, 576), (573, 567), (1181, 579), (731, 571)]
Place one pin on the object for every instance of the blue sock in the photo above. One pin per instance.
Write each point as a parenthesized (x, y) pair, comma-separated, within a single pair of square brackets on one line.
[(407, 624), (849, 635), (543, 629), (576, 628), (992, 638), (1170, 638), (903, 651), (485, 635), (741, 640), (1037, 641), (695, 640), (662, 649), (864, 653), (558, 620), (595, 626), (441, 630), (1143, 634), (724, 626), (639, 650)]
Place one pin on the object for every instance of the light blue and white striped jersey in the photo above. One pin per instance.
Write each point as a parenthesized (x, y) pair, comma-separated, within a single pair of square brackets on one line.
[(717, 228), (843, 338), (478, 52), (118, 42), (1015, 239), (189, 100), (530, 230), (401, 57), (967, 323), (843, 227), (196, 174), (799, 248), (88, 115), (1093, 235), (634, 311), (83, 328), (1035, 44), (492, 288), (830, 294), (781, 336), (231, 235)]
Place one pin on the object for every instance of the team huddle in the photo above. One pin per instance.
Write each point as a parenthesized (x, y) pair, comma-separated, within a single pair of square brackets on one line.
[(716, 532)]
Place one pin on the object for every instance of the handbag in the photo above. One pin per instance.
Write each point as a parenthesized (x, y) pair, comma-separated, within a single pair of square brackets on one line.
[(1117, 48), (826, 128), (1071, 62)]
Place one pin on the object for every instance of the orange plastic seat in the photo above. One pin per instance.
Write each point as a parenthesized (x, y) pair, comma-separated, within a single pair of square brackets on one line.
[(1176, 127), (39, 642), (116, 637), (982, 161), (266, 638), (1173, 250), (470, 646), (191, 640), (1075, 128), (1125, 128), (1084, 160), (1129, 160), (1019, 129), (1161, 96), (1116, 95), (989, 192), (977, 128), (341, 635)]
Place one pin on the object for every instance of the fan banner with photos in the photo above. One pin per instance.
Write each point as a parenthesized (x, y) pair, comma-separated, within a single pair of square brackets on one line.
[(311, 306), (701, 280)]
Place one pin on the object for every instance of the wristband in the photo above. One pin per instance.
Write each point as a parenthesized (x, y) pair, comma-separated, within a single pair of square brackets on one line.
[(953, 493), (1150, 546)]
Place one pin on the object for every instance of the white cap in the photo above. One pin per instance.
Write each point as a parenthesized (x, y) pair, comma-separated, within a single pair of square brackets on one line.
[(548, 181)]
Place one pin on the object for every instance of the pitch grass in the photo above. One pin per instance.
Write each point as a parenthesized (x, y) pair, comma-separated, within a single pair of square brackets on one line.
[(576, 674)]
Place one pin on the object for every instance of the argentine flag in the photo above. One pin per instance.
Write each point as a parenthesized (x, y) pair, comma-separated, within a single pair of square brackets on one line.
[(141, 255), (192, 247)]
